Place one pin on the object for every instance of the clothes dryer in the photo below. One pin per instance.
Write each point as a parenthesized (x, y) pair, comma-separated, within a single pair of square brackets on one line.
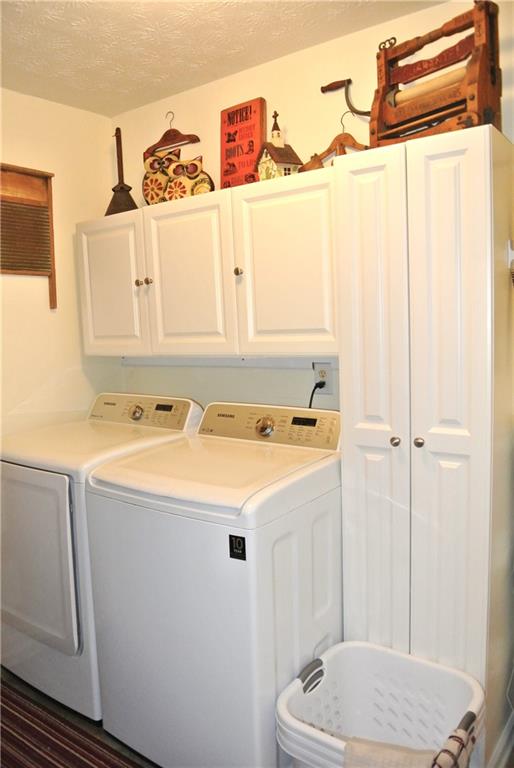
[(227, 581), (48, 636)]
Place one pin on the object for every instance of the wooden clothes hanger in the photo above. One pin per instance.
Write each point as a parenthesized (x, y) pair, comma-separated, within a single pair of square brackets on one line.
[(339, 144), (337, 147), (171, 138)]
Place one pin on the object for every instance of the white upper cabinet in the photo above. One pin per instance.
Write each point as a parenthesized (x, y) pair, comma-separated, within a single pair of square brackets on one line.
[(285, 255), (111, 273), (190, 260), (244, 271)]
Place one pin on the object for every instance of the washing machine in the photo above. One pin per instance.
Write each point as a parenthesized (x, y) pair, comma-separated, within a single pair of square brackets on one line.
[(227, 581), (48, 636)]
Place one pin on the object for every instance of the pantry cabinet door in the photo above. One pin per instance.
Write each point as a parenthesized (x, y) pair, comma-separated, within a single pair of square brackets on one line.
[(190, 263), (374, 389), (284, 249), (450, 307), (111, 265)]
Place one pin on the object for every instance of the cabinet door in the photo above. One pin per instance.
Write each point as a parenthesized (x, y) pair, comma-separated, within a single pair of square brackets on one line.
[(190, 260), (450, 307), (374, 387), (111, 260), (284, 245)]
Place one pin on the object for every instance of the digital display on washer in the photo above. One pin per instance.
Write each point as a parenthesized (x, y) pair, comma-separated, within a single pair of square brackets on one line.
[(164, 407), (303, 421)]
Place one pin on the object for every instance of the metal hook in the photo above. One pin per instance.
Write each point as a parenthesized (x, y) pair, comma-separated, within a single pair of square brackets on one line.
[(348, 112), (172, 116)]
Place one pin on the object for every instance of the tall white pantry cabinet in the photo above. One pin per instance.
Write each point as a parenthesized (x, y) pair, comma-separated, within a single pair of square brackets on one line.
[(426, 398)]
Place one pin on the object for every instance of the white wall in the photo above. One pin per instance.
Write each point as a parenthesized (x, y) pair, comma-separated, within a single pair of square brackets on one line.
[(286, 382), (43, 370)]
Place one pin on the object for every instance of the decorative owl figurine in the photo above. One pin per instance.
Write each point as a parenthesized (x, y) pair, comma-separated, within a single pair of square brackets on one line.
[(168, 177), (156, 177)]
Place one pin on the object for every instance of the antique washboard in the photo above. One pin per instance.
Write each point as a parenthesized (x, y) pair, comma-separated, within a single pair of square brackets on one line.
[(460, 98)]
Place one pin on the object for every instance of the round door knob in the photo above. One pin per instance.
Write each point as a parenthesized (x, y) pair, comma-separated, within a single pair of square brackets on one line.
[(395, 441), (265, 426), (238, 271), (138, 283), (419, 442), (148, 280)]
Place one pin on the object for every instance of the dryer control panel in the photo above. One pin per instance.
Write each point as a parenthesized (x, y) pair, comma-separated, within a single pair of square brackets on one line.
[(307, 427), (146, 410)]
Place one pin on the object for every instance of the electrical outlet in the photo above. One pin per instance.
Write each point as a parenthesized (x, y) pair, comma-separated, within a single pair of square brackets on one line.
[(324, 372)]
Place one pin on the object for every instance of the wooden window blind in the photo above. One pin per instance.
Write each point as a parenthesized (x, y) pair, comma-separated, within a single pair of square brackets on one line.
[(26, 231)]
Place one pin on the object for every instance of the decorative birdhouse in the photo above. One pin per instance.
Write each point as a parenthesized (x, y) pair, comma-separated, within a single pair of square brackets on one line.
[(276, 158)]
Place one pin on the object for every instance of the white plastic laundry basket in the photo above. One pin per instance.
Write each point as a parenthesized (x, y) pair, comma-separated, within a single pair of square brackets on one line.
[(362, 690)]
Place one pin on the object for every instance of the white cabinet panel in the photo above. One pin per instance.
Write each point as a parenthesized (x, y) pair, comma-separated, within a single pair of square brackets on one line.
[(376, 552), (449, 584), (189, 257), (450, 275), (371, 211), (284, 243), (114, 316)]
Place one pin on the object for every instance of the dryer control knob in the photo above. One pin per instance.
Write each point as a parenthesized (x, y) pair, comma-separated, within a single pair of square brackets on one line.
[(265, 426), (136, 413)]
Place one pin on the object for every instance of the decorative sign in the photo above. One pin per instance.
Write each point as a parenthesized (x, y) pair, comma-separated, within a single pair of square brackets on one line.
[(243, 130)]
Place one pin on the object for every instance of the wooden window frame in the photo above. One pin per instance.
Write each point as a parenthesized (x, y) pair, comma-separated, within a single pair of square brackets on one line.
[(27, 186)]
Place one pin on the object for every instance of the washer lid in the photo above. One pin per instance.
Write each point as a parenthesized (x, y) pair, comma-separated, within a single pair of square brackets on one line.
[(75, 447), (210, 471), (117, 423)]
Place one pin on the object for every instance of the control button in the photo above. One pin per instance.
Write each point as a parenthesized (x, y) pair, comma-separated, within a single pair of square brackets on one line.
[(265, 426), (136, 413)]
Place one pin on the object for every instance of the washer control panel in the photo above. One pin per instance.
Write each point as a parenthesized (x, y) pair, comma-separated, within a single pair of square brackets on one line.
[(146, 410), (307, 427)]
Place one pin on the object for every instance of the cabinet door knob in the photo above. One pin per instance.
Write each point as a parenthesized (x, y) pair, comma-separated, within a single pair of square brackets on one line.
[(395, 441), (419, 442), (148, 280), (238, 271), (138, 283)]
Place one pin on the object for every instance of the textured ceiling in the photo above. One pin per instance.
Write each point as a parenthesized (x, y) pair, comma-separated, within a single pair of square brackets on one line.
[(109, 57)]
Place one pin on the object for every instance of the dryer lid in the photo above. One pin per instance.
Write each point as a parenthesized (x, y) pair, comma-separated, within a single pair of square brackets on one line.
[(213, 471)]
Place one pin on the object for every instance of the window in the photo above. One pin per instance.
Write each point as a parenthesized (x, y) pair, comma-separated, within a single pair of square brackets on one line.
[(26, 235)]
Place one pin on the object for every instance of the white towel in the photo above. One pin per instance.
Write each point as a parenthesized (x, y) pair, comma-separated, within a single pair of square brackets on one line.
[(361, 753)]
